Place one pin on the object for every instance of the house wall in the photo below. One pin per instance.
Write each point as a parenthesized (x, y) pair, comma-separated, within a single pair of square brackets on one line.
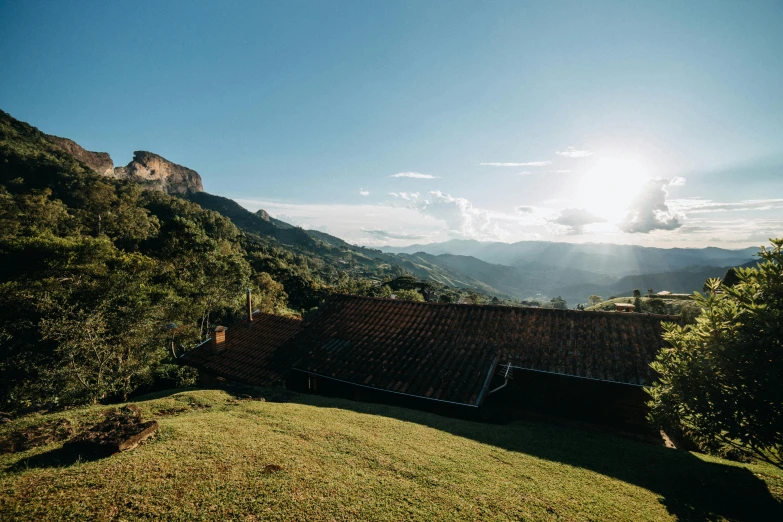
[(620, 405), (306, 383), (207, 380)]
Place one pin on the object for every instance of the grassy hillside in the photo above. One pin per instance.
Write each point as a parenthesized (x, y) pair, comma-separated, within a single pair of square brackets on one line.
[(676, 306), (341, 460), (684, 281)]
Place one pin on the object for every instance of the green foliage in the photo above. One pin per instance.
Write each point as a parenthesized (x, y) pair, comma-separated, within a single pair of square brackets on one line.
[(92, 271), (656, 306), (720, 378), (105, 331), (594, 300), (409, 295), (730, 279), (559, 303)]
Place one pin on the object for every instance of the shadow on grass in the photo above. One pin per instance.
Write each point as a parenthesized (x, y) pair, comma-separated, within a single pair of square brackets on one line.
[(67, 455), (691, 488)]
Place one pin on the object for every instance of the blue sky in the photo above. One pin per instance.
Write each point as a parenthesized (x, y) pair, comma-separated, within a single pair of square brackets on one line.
[(655, 123)]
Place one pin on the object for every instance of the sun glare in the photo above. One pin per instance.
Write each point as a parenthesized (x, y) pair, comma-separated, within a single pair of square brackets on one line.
[(607, 189)]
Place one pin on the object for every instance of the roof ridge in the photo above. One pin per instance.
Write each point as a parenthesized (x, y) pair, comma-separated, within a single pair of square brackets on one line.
[(336, 297)]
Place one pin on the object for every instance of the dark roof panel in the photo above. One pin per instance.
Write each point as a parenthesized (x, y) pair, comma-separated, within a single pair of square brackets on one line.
[(249, 351), (445, 351)]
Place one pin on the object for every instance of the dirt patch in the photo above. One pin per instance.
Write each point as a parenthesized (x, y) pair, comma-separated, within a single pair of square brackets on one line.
[(166, 412), (121, 430), (272, 468), (34, 436)]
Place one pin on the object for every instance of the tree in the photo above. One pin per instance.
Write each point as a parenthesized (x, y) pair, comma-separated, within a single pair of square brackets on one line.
[(637, 304), (720, 377), (409, 295), (594, 300), (637, 293), (446, 297), (657, 306), (559, 302), (269, 296), (730, 279), (108, 334)]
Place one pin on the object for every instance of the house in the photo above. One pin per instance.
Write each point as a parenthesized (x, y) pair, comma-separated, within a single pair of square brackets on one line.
[(624, 307), (463, 360), (243, 353)]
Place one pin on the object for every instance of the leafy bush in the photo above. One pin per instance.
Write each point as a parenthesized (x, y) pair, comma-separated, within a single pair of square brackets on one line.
[(720, 378)]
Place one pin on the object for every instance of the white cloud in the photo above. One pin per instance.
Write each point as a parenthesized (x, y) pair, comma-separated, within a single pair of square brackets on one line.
[(703, 206), (462, 219), (649, 210), (363, 192), (351, 222), (676, 182), (407, 196), (560, 171), (575, 219), (416, 175), (523, 164), (523, 173), (572, 152), (385, 234), (525, 209)]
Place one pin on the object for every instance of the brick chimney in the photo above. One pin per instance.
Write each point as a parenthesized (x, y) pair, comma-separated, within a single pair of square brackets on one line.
[(220, 337), (249, 306)]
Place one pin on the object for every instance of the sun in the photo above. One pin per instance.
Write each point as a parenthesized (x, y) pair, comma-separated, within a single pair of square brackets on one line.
[(608, 187)]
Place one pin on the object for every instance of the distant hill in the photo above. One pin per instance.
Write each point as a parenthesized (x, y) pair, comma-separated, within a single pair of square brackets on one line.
[(520, 282), (246, 220), (614, 260), (684, 281), (686, 308)]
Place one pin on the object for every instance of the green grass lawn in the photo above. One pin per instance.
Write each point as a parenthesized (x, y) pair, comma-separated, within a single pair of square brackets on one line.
[(342, 460)]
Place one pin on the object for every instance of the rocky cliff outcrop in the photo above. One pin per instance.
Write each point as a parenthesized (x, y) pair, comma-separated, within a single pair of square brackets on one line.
[(151, 170), (158, 173), (100, 162)]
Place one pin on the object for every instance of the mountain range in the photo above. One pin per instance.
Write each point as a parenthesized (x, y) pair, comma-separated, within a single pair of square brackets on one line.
[(540, 269), (528, 270)]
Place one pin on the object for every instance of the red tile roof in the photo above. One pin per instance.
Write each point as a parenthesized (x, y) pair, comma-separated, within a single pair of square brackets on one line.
[(247, 353), (446, 351)]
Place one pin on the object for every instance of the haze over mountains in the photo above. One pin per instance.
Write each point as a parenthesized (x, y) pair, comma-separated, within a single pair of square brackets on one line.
[(528, 270)]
